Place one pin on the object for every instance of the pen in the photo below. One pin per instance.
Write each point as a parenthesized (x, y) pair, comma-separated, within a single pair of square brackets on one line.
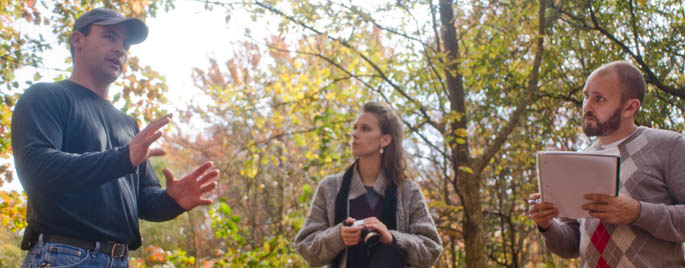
[(533, 201)]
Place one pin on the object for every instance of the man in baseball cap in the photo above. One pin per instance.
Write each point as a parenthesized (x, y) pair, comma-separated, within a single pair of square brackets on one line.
[(137, 31), (84, 164)]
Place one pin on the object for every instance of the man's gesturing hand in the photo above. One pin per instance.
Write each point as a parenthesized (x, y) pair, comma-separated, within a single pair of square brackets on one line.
[(139, 148), (189, 190)]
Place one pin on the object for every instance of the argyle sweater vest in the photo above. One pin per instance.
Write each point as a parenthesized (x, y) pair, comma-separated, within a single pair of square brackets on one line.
[(653, 173)]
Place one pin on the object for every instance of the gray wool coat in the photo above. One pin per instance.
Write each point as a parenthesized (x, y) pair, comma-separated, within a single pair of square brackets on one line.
[(319, 240)]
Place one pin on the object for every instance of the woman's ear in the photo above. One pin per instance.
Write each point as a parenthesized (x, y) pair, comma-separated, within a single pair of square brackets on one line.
[(385, 140)]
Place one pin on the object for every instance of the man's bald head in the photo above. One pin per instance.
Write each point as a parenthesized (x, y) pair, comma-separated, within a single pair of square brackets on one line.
[(632, 83)]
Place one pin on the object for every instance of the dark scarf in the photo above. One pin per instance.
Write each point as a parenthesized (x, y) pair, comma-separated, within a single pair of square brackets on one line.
[(387, 216)]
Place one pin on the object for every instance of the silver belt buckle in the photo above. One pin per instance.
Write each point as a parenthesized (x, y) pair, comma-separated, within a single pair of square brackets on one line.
[(114, 250)]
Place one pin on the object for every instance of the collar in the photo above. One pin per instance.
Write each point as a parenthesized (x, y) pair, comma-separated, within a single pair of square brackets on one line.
[(357, 186), (598, 147)]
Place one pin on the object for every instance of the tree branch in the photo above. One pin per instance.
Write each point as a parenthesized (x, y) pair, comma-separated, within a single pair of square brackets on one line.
[(634, 27), (522, 107), (373, 65), (651, 77), (435, 26)]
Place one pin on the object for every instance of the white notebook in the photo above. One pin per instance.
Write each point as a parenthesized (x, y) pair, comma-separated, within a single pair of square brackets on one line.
[(565, 177)]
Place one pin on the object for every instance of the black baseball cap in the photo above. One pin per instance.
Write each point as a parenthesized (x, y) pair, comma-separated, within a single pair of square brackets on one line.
[(137, 30)]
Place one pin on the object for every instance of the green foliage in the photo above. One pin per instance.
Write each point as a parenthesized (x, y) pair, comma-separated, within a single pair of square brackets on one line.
[(12, 210), (276, 251), (180, 259), (10, 253)]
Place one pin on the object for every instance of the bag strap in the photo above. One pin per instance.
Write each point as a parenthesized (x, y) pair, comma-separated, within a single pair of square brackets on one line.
[(343, 193), (388, 216)]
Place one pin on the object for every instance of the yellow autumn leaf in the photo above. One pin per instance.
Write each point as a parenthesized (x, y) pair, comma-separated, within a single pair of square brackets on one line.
[(461, 132), (466, 169)]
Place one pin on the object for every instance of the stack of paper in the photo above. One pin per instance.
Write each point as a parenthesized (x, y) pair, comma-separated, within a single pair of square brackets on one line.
[(565, 177)]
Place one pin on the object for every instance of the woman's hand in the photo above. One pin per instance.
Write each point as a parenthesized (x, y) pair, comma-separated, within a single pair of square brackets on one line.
[(350, 234), (373, 223)]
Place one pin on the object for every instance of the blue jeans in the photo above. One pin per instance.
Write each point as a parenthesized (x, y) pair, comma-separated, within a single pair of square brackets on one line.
[(55, 255)]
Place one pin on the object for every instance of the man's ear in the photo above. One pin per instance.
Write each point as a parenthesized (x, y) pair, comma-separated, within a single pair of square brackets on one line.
[(631, 107), (385, 140), (76, 39)]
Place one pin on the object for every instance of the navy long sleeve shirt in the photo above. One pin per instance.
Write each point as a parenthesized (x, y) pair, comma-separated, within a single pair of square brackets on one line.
[(71, 154)]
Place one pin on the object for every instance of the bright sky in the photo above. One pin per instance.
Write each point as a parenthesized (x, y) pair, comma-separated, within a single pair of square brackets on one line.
[(184, 38)]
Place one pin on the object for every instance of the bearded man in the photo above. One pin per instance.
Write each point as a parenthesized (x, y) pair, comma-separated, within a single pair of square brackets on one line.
[(644, 226)]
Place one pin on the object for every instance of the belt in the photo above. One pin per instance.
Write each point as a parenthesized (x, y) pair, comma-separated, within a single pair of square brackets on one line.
[(113, 249)]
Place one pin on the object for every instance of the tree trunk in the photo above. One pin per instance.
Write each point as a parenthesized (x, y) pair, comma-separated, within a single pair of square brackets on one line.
[(474, 242), (469, 183)]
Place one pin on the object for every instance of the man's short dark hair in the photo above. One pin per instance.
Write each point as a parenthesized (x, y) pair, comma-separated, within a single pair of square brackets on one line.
[(633, 85), (85, 31)]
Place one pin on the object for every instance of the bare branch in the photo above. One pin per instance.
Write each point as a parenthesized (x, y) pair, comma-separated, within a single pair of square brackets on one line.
[(568, 97)]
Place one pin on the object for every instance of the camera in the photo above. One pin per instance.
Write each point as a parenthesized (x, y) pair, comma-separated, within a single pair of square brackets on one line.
[(370, 237)]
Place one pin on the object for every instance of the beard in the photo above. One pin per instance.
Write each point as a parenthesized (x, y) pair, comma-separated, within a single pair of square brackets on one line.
[(602, 128)]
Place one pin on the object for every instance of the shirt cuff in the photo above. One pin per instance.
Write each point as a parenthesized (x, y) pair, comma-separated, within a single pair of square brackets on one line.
[(552, 231), (648, 213), (125, 159), (542, 230), (401, 239), (334, 238), (166, 201)]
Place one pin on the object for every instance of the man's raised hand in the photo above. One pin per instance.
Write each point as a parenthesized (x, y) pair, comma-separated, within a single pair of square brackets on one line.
[(189, 191), (139, 148)]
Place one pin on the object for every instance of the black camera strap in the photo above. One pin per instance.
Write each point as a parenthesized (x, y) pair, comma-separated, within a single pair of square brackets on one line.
[(389, 209)]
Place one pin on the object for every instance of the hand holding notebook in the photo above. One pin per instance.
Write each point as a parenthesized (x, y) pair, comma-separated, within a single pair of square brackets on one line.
[(564, 178)]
